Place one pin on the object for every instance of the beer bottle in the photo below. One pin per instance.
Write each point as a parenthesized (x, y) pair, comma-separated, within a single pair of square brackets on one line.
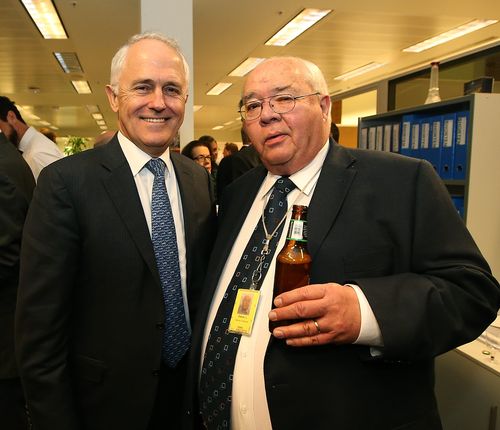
[(294, 261)]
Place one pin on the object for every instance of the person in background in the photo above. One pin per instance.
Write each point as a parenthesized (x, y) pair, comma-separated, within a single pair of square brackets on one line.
[(230, 149), (48, 133), (114, 254), (200, 153), (214, 151), (334, 132), (104, 138), (16, 189), (37, 150), (395, 280), (232, 167)]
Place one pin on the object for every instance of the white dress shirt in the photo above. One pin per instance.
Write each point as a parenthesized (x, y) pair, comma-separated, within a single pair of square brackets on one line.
[(249, 409), (143, 178), (38, 151)]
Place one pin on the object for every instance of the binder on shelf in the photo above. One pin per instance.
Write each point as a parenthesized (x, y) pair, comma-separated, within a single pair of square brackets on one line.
[(425, 137), (415, 139), (406, 123), (379, 139), (461, 144), (436, 138), (458, 201), (372, 136), (447, 147), (396, 137), (363, 142), (387, 137)]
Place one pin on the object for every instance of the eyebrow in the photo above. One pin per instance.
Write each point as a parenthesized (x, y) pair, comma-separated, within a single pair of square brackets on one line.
[(277, 90), (153, 82)]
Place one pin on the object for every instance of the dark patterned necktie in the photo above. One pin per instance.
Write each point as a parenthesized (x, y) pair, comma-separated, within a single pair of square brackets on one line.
[(216, 380), (176, 336)]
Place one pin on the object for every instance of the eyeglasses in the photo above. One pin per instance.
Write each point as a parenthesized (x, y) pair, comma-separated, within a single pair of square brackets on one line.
[(202, 158), (279, 103)]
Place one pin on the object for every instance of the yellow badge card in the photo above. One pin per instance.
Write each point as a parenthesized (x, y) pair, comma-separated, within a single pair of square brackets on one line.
[(243, 315)]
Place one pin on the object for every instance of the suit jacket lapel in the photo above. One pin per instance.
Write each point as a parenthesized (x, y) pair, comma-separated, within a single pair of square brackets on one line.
[(122, 190), (333, 184)]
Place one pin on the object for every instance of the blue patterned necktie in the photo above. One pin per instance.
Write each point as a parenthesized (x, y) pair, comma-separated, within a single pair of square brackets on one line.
[(176, 336), (216, 380)]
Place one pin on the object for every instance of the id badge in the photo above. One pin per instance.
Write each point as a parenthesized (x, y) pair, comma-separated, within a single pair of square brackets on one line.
[(244, 310)]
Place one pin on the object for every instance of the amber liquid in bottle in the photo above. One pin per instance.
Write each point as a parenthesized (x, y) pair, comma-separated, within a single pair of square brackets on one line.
[(293, 262)]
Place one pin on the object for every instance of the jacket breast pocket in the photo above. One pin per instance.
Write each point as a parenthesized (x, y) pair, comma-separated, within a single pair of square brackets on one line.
[(370, 263)]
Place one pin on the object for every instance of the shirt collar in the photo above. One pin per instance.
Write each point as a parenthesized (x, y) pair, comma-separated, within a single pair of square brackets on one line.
[(137, 158), (303, 179), (25, 142)]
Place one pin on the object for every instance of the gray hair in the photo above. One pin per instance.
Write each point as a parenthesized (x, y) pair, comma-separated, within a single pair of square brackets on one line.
[(119, 58), (315, 79)]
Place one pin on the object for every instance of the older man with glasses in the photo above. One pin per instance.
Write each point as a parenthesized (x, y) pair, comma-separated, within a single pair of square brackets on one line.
[(395, 278)]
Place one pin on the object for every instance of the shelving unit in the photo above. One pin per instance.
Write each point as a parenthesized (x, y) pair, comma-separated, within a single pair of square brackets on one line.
[(480, 188)]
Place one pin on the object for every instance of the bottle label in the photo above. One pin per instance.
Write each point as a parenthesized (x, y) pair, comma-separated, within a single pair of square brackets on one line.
[(297, 230)]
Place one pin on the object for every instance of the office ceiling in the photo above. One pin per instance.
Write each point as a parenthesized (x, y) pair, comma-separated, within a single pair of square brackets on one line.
[(226, 32)]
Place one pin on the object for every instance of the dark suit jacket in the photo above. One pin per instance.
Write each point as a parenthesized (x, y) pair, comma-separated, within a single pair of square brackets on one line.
[(90, 314), (386, 223), (235, 165), (16, 189)]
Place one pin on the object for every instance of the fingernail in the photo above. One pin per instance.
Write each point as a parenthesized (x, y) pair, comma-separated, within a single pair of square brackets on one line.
[(278, 302), (278, 333), (272, 316)]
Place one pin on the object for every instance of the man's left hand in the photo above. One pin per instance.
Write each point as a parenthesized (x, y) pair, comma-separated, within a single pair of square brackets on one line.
[(327, 313)]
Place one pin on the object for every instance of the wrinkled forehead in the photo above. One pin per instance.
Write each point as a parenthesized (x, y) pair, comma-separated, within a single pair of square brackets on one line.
[(274, 77)]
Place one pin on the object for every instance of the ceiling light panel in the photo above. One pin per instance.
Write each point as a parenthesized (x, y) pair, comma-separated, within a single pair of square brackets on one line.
[(69, 62), (359, 71), (219, 88), (247, 66), (44, 15), (304, 20), (454, 33), (82, 87)]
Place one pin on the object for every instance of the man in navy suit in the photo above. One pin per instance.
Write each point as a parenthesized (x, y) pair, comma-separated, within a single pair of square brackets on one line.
[(91, 313), (16, 188), (395, 279)]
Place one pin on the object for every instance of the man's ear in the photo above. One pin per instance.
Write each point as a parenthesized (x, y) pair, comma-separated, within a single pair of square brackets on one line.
[(326, 105), (112, 98), (11, 118)]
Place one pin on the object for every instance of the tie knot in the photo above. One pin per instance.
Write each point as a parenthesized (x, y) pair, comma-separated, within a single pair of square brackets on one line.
[(284, 185), (156, 166)]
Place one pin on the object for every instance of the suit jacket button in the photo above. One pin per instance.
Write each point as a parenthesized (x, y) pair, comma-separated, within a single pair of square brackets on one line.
[(160, 325), (156, 372)]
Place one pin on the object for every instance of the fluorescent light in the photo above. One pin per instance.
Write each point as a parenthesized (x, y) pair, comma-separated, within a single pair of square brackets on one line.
[(305, 19), (219, 88), (92, 108), (103, 127), (100, 122), (451, 34), (217, 127), (53, 127), (82, 87), (69, 62), (45, 123), (359, 71), (196, 108), (228, 123), (45, 16), (97, 116), (247, 66)]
